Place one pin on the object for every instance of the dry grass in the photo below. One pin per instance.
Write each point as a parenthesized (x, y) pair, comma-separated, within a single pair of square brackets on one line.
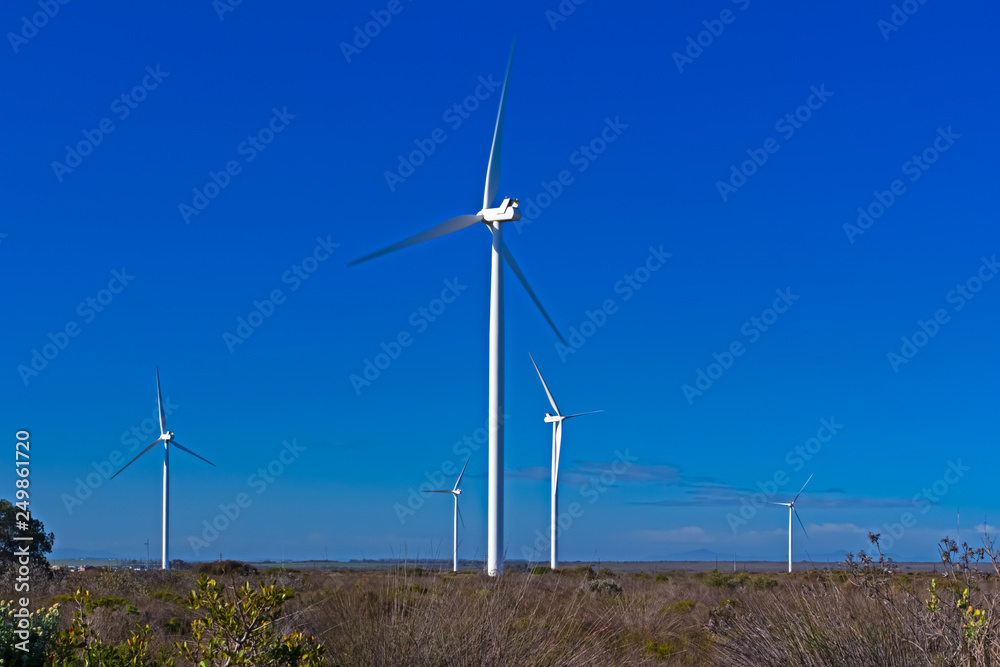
[(419, 617)]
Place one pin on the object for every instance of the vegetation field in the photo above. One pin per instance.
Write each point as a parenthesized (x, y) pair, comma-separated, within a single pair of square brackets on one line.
[(867, 613)]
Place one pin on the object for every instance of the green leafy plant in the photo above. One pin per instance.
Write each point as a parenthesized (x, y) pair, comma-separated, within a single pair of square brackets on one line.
[(239, 628)]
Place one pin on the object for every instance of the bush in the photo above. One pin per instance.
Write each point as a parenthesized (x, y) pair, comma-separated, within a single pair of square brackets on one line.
[(541, 569), (679, 607), (717, 579), (601, 587), (762, 582), (41, 628), (220, 567)]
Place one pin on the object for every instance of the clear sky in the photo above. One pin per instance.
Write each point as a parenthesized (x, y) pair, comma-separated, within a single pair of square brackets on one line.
[(168, 168)]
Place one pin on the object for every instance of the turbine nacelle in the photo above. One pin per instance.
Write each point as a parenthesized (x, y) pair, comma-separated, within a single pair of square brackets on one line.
[(167, 437), (506, 212), (551, 419)]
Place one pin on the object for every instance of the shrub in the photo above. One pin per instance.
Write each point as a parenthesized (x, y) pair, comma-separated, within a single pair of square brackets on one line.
[(41, 630), (763, 582), (661, 651), (220, 567), (679, 607), (717, 579), (601, 587)]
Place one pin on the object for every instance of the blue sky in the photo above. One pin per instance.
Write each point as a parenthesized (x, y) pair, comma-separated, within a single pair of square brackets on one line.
[(212, 155)]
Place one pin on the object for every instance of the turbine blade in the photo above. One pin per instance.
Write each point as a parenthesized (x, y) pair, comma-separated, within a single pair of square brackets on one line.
[(459, 480), (524, 281), (493, 168), (446, 227), (136, 457), (460, 514), (796, 513), (580, 414), (159, 402), (180, 446), (437, 491), (801, 490), (548, 393)]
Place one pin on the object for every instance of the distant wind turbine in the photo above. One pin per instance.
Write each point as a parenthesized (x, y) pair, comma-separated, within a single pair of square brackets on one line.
[(493, 218), (167, 438), (556, 420), (791, 511), (455, 492)]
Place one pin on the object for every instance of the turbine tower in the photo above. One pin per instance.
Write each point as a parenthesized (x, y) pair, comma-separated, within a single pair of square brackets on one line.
[(494, 219), (167, 438), (455, 492), (791, 511), (556, 420)]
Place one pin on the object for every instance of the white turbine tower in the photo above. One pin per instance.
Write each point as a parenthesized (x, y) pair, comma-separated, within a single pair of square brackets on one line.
[(167, 438), (455, 492), (494, 219), (791, 511), (556, 420)]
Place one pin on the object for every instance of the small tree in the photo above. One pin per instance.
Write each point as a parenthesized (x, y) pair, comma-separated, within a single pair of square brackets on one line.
[(40, 545)]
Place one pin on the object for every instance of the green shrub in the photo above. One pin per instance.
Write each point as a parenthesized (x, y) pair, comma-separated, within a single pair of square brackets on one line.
[(679, 607), (717, 579), (220, 567), (541, 569), (42, 628), (660, 651), (762, 582)]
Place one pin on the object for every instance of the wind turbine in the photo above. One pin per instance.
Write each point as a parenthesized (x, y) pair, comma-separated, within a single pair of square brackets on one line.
[(455, 492), (167, 438), (556, 420), (494, 219), (791, 511)]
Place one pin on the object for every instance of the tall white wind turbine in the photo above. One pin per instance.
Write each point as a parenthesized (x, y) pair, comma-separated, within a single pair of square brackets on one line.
[(557, 421), (455, 492), (494, 219), (791, 511), (167, 438)]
